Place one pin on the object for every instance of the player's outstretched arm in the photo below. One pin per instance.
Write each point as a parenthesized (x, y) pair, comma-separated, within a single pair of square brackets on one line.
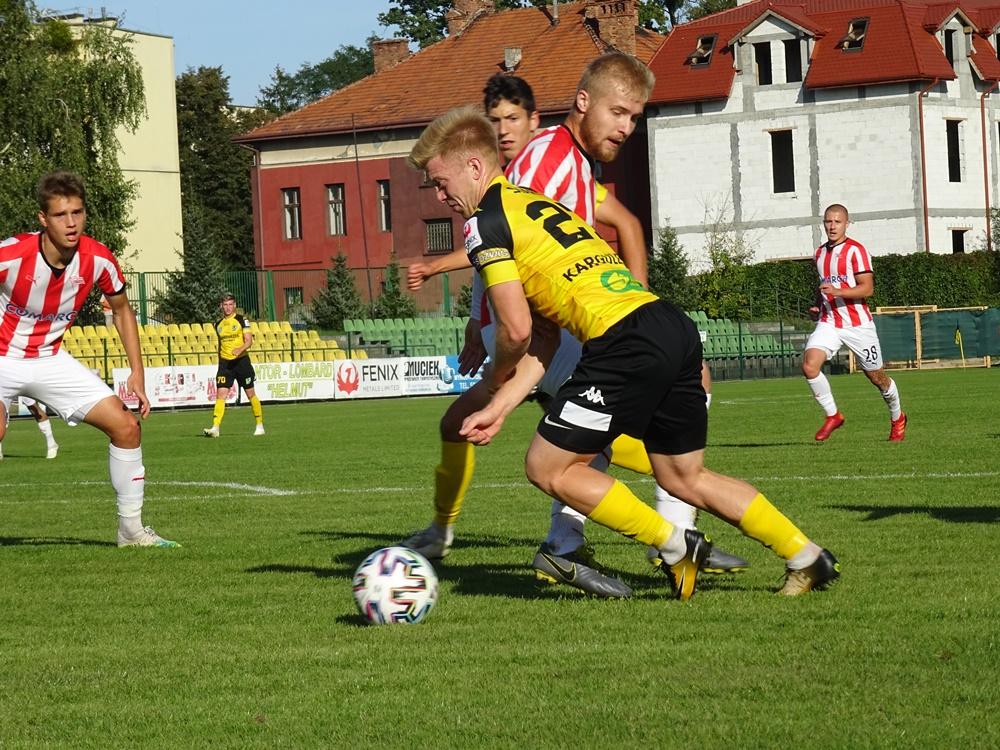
[(482, 426), (128, 331), (418, 273), (631, 240)]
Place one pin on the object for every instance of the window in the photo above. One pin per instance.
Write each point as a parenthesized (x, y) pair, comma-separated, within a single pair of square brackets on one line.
[(996, 44), (293, 296), (384, 207), (439, 236), (958, 240), (293, 213), (782, 161), (949, 46), (336, 211), (954, 150), (702, 54), (793, 61), (855, 38), (762, 58)]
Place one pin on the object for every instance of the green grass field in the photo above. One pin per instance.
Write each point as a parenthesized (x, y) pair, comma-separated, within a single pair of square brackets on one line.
[(248, 636)]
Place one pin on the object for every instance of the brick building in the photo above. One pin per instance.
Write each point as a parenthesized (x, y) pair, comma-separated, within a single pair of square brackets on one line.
[(766, 113), (332, 176)]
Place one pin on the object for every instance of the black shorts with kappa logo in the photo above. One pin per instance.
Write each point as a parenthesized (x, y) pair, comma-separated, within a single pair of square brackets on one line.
[(239, 371), (641, 377)]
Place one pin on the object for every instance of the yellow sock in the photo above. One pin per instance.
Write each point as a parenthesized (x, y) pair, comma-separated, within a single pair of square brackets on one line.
[(630, 453), (218, 411), (768, 525), (258, 411), (451, 480), (623, 512)]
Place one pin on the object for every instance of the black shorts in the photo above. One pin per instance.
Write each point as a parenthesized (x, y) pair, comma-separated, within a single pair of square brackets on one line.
[(238, 371), (642, 377)]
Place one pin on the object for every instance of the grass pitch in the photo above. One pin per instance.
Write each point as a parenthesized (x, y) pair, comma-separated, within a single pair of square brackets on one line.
[(248, 636)]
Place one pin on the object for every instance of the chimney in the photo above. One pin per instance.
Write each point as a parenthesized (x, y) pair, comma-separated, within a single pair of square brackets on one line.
[(616, 21), (389, 52), (511, 58), (464, 12)]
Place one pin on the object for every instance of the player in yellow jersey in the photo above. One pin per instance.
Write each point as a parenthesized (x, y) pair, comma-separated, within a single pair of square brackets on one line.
[(235, 368), (640, 372)]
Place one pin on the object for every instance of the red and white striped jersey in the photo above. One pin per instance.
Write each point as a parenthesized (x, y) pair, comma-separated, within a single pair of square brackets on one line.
[(840, 266), (554, 164), (39, 302)]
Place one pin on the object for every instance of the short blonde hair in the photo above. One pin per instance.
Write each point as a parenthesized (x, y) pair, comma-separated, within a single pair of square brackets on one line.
[(837, 207), (617, 68), (459, 131)]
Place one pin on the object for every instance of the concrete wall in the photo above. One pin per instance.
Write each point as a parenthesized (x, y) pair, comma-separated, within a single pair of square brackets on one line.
[(858, 146)]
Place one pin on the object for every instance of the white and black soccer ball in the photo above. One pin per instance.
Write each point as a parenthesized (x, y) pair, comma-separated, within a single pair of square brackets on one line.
[(395, 585)]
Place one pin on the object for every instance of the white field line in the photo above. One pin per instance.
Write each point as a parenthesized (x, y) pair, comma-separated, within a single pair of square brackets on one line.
[(245, 490)]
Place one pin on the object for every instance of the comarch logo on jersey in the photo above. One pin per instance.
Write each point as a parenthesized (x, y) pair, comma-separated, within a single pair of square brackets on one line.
[(22, 312)]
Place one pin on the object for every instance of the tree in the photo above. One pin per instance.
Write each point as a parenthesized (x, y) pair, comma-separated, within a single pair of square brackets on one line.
[(289, 92), (63, 93), (339, 300), (193, 294), (425, 22), (663, 15), (668, 270), (392, 303), (463, 305), (215, 172), (723, 291)]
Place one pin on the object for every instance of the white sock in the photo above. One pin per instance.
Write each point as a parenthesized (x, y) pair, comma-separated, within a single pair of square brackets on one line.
[(708, 400), (128, 477), (805, 557), (891, 398), (674, 548), (565, 529), (46, 429), (824, 396), (675, 510)]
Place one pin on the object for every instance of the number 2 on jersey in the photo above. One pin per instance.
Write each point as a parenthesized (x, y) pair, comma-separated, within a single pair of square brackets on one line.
[(551, 223)]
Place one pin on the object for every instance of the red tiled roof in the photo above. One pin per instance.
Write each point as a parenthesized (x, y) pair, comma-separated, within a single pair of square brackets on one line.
[(898, 44), (454, 71)]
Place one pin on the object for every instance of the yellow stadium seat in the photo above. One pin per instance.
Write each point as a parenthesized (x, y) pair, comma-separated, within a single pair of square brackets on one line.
[(341, 354), (285, 327), (313, 334)]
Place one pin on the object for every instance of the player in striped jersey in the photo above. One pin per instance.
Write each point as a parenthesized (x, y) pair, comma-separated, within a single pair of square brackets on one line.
[(44, 280), (37, 410), (846, 281)]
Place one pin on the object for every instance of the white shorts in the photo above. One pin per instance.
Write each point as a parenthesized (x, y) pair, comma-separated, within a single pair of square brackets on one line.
[(862, 340), (563, 361), (59, 381)]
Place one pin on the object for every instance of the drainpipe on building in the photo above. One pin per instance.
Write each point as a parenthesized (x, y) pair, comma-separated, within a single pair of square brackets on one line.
[(260, 210), (923, 160), (986, 169)]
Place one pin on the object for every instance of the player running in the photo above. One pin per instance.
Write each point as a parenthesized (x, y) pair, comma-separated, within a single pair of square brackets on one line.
[(557, 162), (846, 281), (640, 373), (37, 410), (44, 280)]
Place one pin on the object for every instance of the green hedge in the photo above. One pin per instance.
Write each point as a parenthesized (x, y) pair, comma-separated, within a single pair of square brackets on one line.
[(784, 288)]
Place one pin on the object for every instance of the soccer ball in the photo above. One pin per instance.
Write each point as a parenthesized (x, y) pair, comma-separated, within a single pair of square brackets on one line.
[(395, 585)]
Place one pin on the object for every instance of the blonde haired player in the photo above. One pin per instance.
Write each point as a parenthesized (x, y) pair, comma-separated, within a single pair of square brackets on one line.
[(640, 372)]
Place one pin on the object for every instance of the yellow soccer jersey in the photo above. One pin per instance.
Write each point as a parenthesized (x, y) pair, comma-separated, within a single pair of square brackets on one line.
[(230, 331), (569, 274)]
